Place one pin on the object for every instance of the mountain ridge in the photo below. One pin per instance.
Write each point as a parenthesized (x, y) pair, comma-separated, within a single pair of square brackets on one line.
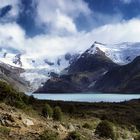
[(38, 70), (81, 73)]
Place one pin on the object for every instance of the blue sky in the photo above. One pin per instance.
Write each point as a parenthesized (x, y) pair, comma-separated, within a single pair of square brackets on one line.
[(99, 9), (50, 25)]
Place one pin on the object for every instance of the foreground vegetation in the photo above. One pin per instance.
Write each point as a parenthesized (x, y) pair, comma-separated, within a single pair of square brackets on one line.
[(55, 120)]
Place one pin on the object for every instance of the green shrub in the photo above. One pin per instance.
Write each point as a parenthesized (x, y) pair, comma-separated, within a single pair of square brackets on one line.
[(4, 130), (57, 114), (25, 98), (47, 111), (105, 129), (10, 96), (137, 137), (73, 136), (72, 109), (7, 92), (19, 104), (138, 125), (32, 99), (49, 135), (87, 125)]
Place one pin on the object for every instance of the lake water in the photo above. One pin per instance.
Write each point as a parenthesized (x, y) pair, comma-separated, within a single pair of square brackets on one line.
[(92, 97)]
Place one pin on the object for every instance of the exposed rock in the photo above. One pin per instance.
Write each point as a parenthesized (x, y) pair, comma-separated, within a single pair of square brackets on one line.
[(60, 128), (27, 122), (86, 69), (17, 60), (8, 123), (10, 117), (71, 127), (7, 120), (58, 85), (123, 79), (91, 60), (11, 75), (77, 126)]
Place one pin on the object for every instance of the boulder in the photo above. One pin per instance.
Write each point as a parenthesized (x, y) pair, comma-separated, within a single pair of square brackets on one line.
[(6, 120), (61, 128), (71, 127), (27, 122)]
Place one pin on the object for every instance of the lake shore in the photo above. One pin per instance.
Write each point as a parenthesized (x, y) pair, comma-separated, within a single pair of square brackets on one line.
[(87, 97)]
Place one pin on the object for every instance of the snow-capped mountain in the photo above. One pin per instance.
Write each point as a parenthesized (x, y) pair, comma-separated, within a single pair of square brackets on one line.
[(122, 53), (39, 69)]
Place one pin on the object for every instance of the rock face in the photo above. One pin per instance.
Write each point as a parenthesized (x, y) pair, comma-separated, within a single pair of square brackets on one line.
[(124, 79), (6, 120), (94, 71), (82, 73), (71, 127), (91, 60), (59, 85), (27, 122), (17, 60), (11, 75)]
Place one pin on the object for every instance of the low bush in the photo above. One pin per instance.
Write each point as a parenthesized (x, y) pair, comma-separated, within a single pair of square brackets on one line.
[(25, 98), (57, 114), (49, 135), (4, 130), (73, 136), (72, 109), (87, 125), (47, 111), (105, 129), (137, 137), (10, 96), (31, 99)]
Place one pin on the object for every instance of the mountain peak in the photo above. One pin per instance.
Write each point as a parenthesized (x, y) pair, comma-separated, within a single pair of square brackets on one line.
[(99, 43), (92, 59)]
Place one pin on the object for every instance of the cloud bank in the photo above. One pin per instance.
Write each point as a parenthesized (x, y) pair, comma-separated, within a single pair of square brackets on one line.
[(59, 15), (63, 35)]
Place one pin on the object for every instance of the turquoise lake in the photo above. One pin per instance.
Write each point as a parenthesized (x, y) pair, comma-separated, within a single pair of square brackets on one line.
[(87, 97)]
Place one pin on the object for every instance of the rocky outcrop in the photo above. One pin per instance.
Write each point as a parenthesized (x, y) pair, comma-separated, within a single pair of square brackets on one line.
[(27, 122), (91, 60), (11, 75), (82, 73), (123, 79), (59, 85), (17, 60)]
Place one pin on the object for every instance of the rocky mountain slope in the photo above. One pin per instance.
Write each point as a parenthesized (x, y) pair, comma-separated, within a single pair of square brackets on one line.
[(11, 75), (83, 72), (93, 59), (121, 79), (38, 69), (94, 71)]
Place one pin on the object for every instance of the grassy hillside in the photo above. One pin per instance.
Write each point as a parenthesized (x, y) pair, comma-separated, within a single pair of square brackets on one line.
[(23, 117)]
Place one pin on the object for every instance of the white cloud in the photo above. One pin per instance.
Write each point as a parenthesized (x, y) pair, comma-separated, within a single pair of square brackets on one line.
[(12, 35), (60, 14), (54, 45), (126, 31), (63, 23)]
